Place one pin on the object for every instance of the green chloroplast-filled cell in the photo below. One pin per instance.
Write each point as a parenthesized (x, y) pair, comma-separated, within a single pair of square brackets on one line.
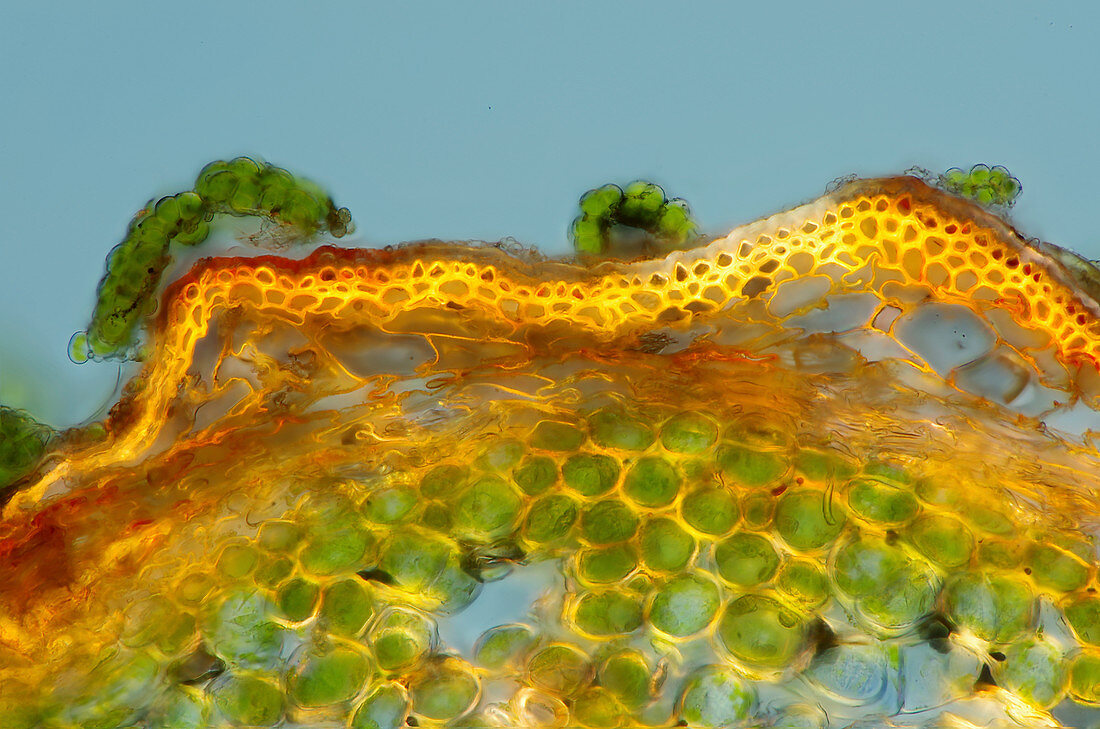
[(1005, 555), (488, 509), (503, 646), (607, 613), (535, 474), (608, 522), (715, 696), (807, 519), (559, 668), (711, 510), (689, 433), (401, 638), (248, 700), (881, 503), (341, 548), (746, 559), (627, 676), (944, 540), (823, 465), (761, 632), (1056, 568), (501, 454), (298, 598), (613, 428), (240, 629), (414, 560), (1035, 670), (180, 708), (803, 582), (665, 546), (346, 606), (550, 518), (604, 565), (443, 481), (757, 509), (597, 707), (22, 444), (748, 466), (652, 482), (277, 535), (684, 605), (1082, 611), (994, 607), (330, 676), (386, 707), (390, 505), (1084, 679), (445, 690), (903, 602), (550, 435), (867, 565), (590, 474), (236, 560)]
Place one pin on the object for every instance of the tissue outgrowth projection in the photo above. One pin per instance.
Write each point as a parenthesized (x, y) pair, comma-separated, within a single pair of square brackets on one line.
[(826, 469)]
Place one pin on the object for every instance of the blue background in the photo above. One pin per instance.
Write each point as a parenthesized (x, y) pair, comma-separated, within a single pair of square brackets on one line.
[(484, 120)]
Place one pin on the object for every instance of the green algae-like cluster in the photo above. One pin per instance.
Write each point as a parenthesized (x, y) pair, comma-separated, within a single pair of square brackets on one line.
[(618, 221), (985, 184)]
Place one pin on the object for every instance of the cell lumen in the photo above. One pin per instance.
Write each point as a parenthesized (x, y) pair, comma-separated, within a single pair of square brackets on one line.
[(722, 516)]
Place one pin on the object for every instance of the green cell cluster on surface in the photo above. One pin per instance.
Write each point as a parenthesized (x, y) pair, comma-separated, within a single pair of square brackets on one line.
[(238, 187), (23, 442), (637, 219), (985, 184)]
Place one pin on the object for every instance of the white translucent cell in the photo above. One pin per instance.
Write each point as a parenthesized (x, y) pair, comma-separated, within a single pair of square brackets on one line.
[(930, 679), (999, 376), (857, 675), (838, 314), (945, 335), (798, 293)]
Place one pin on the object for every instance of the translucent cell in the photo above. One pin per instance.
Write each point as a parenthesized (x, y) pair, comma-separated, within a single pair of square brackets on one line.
[(684, 605)]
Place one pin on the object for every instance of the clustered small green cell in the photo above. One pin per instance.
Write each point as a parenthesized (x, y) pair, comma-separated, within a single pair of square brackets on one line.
[(631, 220), (23, 443), (985, 184), (702, 564), (238, 187)]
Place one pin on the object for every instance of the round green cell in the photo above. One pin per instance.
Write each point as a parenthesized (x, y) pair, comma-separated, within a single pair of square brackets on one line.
[(559, 668), (690, 433), (248, 700), (881, 503), (488, 509), (608, 522), (806, 519), (387, 707), (684, 605), (903, 602), (760, 631), (664, 545), (550, 518), (596, 707), (401, 639), (237, 561), (1056, 568), (748, 466), (652, 482), (390, 505), (1084, 679), (865, 566), (501, 454), (627, 676), (758, 509), (414, 560), (613, 428), (1083, 613), (346, 606), (1035, 670), (536, 474), (1000, 554), (297, 598), (502, 646), (239, 628), (339, 549), (329, 677), (551, 435), (711, 510), (603, 565), (589, 474), (746, 559), (993, 607), (803, 582), (944, 540), (715, 696), (443, 480), (823, 465), (607, 613), (271, 572)]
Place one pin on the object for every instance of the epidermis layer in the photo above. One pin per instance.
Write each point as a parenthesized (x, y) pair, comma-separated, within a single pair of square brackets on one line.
[(833, 469)]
